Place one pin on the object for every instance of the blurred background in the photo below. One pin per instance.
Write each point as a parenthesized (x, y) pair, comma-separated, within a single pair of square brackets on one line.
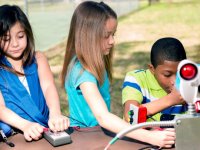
[(141, 23), (50, 18)]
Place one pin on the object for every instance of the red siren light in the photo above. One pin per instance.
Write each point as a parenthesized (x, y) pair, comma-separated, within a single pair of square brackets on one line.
[(188, 71)]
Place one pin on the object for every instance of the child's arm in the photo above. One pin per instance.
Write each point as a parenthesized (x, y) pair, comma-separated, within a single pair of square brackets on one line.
[(173, 98), (57, 122), (115, 124), (156, 106), (31, 130)]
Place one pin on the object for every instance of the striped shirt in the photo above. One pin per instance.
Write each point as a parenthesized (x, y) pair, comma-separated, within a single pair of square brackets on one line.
[(141, 85)]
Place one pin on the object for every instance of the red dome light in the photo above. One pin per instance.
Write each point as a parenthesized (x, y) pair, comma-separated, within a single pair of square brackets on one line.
[(188, 71)]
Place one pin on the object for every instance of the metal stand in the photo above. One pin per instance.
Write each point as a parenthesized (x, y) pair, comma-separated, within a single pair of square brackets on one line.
[(187, 130)]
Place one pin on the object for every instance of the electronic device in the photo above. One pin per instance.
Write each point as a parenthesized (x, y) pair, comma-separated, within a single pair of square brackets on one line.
[(57, 139), (3, 136), (186, 125), (188, 80), (197, 106), (137, 114)]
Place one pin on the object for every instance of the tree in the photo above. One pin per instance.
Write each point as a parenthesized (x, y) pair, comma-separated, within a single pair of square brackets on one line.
[(153, 1)]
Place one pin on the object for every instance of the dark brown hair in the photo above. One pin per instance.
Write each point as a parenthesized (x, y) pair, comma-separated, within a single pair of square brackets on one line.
[(9, 16)]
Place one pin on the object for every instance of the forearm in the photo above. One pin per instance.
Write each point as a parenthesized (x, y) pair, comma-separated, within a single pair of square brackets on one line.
[(157, 105), (47, 84), (11, 118), (57, 122), (116, 124), (52, 100)]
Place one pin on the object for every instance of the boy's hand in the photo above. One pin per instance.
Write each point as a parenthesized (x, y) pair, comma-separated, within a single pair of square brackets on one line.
[(32, 131), (58, 123), (175, 97)]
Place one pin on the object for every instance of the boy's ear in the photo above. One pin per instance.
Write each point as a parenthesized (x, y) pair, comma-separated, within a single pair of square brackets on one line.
[(151, 68)]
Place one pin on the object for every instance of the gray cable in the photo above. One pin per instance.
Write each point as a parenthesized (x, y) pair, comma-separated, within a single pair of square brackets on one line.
[(145, 124)]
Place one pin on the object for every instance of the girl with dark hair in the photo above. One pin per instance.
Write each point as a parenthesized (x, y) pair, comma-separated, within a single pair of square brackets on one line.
[(28, 99)]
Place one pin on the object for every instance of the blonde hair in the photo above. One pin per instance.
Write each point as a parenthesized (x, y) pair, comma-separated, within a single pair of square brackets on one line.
[(85, 40)]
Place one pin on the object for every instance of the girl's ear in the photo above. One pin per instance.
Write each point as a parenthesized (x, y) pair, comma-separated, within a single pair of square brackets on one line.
[(151, 68)]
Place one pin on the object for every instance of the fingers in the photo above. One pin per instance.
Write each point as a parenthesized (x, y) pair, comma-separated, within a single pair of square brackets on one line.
[(170, 137), (67, 124), (27, 137), (168, 144), (34, 132), (59, 123), (170, 129), (170, 132), (56, 125), (51, 126)]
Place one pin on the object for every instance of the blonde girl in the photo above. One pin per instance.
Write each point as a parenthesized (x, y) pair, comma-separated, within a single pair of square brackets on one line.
[(87, 72)]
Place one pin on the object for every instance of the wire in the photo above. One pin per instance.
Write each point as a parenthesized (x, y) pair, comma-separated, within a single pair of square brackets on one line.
[(151, 117), (107, 146), (141, 125), (111, 142), (9, 143), (77, 121), (86, 128), (151, 147), (5, 139), (145, 124)]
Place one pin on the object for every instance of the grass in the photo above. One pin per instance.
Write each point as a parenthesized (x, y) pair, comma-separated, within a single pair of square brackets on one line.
[(137, 31)]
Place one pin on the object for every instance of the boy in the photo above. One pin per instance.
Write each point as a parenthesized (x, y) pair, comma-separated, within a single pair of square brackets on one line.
[(154, 88)]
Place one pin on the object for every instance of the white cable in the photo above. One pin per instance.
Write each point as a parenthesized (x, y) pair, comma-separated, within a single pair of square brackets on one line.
[(145, 124)]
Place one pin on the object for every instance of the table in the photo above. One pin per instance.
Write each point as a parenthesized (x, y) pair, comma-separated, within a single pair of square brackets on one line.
[(90, 140)]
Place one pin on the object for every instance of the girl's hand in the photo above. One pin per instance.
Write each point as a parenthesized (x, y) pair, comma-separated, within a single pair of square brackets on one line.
[(58, 123), (33, 131), (165, 138)]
